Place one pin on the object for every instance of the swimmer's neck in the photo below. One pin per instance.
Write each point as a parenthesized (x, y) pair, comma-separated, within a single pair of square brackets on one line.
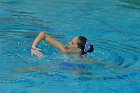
[(74, 55)]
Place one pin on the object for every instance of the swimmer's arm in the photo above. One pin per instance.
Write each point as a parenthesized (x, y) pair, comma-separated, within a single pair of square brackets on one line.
[(50, 40)]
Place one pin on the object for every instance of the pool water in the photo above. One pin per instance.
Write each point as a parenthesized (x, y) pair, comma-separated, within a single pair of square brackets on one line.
[(113, 26)]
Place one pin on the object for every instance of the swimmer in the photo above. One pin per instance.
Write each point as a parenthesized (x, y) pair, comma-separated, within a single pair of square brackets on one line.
[(78, 46)]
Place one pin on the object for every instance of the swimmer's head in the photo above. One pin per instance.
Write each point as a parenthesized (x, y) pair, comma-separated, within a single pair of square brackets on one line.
[(80, 44)]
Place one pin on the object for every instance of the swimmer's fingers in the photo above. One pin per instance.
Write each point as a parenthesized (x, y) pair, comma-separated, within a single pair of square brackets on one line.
[(37, 53), (34, 48)]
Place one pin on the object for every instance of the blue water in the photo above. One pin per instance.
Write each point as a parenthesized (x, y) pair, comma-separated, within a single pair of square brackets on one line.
[(113, 26)]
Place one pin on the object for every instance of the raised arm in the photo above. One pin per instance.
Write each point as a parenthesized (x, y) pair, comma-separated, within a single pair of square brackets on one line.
[(50, 40)]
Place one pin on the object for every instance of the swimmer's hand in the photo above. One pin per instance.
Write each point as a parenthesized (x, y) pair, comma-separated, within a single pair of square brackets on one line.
[(35, 51)]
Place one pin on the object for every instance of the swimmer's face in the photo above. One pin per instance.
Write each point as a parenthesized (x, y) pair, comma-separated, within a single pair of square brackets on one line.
[(73, 45)]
